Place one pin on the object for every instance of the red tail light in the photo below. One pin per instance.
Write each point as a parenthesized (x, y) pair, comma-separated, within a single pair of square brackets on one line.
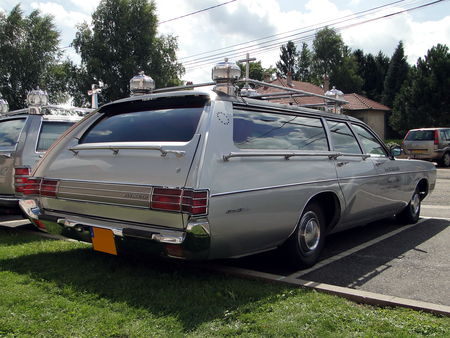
[(194, 202), (33, 186), (49, 187), (21, 176), (436, 136)]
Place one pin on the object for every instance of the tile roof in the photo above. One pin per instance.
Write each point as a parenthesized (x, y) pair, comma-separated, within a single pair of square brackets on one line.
[(355, 101)]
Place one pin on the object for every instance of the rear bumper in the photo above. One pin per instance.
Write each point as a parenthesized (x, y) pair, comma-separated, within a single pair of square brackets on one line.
[(9, 201), (193, 243)]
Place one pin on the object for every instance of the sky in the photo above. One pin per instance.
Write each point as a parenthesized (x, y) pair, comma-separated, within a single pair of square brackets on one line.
[(260, 27)]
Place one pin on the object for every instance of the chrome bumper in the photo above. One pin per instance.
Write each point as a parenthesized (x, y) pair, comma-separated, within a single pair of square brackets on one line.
[(194, 241)]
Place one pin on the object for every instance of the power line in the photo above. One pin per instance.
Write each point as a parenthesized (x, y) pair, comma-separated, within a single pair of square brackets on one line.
[(257, 49), (196, 12)]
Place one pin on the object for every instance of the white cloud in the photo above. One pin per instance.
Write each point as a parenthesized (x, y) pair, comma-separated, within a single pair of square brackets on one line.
[(62, 16), (88, 6)]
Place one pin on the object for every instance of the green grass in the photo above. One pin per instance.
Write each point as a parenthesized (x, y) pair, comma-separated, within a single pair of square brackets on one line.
[(51, 288)]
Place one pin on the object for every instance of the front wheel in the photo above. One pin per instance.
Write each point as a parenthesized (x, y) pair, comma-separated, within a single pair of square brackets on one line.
[(411, 213), (306, 243)]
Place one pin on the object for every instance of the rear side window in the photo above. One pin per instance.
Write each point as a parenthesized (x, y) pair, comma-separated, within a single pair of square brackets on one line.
[(420, 135), (169, 121), (255, 130), (10, 132), (50, 131), (343, 138)]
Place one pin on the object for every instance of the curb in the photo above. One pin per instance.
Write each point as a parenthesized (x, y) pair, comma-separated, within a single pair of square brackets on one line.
[(359, 296)]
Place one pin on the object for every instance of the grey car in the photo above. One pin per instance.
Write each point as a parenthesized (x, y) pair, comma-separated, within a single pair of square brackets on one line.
[(199, 174), (24, 138), (431, 144)]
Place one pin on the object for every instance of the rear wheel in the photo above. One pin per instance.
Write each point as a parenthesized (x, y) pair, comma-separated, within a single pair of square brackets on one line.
[(445, 162), (306, 243), (411, 213)]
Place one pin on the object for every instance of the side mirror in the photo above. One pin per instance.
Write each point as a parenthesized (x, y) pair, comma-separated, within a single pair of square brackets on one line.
[(396, 150)]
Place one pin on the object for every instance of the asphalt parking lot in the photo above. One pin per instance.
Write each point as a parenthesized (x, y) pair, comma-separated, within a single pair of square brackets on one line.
[(410, 262)]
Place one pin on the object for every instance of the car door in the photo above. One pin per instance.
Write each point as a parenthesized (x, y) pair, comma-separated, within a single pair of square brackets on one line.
[(357, 175), (390, 179)]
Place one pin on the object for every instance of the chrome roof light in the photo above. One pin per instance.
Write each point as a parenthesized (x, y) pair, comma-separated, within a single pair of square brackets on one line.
[(37, 98), (332, 105), (141, 84), (4, 106), (225, 74)]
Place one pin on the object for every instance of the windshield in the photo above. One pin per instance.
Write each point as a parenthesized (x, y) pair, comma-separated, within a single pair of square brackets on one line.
[(161, 120)]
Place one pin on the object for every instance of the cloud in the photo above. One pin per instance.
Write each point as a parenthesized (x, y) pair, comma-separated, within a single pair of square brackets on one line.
[(62, 16)]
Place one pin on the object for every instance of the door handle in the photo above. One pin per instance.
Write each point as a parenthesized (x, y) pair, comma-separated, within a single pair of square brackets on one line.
[(340, 164)]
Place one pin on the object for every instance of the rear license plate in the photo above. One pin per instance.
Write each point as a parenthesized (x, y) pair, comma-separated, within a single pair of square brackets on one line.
[(103, 240)]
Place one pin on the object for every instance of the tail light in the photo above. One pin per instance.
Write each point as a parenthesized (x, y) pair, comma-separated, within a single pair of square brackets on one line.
[(32, 185), (193, 202), (436, 137)]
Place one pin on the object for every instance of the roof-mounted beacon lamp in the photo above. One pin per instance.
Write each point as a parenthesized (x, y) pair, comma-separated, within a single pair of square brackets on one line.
[(4, 106), (36, 99), (225, 74), (332, 105), (141, 84)]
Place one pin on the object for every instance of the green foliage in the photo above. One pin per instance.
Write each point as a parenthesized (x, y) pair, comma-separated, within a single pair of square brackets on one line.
[(257, 71), (28, 55), (345, 75), (288, 60), (123, 41), (396, 75), (304, 64), (54, 288), (328, 50), (423, 100)]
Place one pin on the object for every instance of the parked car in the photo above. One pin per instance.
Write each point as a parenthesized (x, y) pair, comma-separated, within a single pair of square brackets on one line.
[(431, 144), (197, 174), (25, 135)]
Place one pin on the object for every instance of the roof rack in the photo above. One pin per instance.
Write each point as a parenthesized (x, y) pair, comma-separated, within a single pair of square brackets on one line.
[(50, 110), (226, 75)]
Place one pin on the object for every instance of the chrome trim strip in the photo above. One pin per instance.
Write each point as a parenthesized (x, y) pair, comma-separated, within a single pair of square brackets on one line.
[(287, 155), (126, 145)]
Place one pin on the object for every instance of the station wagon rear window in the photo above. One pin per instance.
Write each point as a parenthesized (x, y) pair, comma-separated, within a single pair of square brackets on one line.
[(10, 132), (257, 130), (420, 135), (50, 131), (161, 120)]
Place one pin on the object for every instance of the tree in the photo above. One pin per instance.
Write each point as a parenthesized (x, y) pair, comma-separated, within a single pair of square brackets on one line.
[(423, 100), (123, 41), (257, 71), (304, 64), (28, 53), (288, 60), (328, 50), (396, 75), (345, 75)]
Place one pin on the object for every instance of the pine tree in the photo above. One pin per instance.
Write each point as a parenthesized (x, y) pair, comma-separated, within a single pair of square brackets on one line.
[(288, 60), (396, 75)]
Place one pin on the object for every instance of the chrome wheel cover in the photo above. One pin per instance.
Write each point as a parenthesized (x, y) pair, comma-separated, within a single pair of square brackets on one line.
[(446, 160), (415, 204), (309, 232)]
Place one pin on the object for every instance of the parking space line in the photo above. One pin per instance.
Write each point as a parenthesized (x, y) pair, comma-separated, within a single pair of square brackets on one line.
[(351, 251), (14, 223)]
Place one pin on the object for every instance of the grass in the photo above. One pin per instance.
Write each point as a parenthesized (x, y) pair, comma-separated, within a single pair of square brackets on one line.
[(51, 288)]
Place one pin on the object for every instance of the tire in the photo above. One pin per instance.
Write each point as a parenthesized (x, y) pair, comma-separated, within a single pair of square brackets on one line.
[(411, 213), (445, 161), (304, 246)]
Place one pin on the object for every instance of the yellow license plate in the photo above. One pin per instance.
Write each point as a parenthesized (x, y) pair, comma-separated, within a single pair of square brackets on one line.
[(418, 151), (103, 240)]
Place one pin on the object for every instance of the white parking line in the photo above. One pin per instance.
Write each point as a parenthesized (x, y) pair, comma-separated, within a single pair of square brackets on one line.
[(351, 251)]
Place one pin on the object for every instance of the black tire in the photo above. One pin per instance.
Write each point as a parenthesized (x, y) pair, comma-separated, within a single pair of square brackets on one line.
[(303, 248), (445, 161), (411, 213)]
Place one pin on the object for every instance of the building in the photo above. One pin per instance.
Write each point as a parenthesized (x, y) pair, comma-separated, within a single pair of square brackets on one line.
[(371, 112)]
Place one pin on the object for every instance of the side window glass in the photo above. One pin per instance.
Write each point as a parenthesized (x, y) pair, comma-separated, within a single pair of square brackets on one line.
[(257, 130), (343, 138), (10, 132), (50, 131), (370, 143), (448, 134)]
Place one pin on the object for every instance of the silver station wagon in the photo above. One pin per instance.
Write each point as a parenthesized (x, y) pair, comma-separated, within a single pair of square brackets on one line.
[(25, 135), (199, 174)]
